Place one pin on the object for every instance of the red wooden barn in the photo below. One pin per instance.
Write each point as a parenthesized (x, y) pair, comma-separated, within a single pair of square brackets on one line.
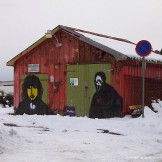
[(66, 64)]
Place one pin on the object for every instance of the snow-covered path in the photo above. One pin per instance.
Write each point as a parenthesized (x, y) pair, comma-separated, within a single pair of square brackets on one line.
[(75, 139)]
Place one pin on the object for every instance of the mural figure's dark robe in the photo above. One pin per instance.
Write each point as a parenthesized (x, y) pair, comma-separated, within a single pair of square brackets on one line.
[(106, 102), (35, 107)]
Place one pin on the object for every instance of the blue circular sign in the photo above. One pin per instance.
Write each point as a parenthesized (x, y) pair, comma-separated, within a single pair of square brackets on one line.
[(143, 48)]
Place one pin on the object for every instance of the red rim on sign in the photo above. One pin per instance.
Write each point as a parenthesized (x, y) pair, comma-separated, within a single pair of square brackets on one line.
[(143, 48)]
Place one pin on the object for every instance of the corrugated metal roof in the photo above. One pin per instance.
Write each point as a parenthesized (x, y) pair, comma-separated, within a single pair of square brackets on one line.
[(116, 54)]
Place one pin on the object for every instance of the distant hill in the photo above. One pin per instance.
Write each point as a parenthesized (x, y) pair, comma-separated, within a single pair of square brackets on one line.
[(6, 83)]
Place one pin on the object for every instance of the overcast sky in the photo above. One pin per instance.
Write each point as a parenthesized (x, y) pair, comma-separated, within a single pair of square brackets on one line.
[(24, 21)]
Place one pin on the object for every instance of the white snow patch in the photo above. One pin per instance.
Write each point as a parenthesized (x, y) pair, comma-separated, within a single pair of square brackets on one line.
[(75, 139), (122, 47)]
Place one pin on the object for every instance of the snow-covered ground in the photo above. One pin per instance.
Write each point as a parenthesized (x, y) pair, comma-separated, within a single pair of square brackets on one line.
[(79, 139), (6, 89)]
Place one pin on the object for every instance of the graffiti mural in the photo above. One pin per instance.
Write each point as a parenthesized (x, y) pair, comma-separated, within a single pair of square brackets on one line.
[(106, 102), (32, 103)]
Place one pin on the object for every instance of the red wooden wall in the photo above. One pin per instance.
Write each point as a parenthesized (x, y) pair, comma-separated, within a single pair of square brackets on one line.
[(126, 75), (53, 61), (131, 83)]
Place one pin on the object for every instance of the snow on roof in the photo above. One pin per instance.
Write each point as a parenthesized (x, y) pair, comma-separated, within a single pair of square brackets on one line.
[(122, 47), (119, 49)]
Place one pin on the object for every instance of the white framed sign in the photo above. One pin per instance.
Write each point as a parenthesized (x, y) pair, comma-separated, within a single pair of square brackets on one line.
[(33, 68), (73, 81)]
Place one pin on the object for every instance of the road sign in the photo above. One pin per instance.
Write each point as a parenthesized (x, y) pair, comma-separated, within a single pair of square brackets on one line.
[(143, 48)]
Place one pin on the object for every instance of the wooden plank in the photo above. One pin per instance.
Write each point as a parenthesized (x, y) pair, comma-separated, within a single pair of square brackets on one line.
[(133, 107)]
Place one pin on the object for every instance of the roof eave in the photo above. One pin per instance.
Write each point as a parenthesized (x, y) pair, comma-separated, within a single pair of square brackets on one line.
[(117, 55), (42, 39)]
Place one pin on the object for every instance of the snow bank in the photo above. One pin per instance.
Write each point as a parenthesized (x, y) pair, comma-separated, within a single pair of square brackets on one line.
[(6, 89), (80, 139)]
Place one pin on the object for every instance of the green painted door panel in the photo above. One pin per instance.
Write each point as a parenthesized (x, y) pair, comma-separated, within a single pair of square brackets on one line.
[(75, 92), (80, 85)]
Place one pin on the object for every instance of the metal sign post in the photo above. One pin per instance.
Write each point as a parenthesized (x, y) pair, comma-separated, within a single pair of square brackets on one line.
[(143, 48), (143, 84)]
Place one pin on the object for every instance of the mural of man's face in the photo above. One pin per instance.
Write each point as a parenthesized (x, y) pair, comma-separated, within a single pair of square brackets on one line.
[(32, 92), (98, 82)]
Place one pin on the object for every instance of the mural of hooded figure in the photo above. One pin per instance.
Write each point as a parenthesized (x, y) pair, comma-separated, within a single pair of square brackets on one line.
[(106, 102), (32, 103)]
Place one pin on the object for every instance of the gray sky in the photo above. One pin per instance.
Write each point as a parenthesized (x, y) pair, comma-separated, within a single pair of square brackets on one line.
[(24, 21)]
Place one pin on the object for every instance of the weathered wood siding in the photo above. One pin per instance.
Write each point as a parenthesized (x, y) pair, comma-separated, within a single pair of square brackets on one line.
[(53, 61)]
